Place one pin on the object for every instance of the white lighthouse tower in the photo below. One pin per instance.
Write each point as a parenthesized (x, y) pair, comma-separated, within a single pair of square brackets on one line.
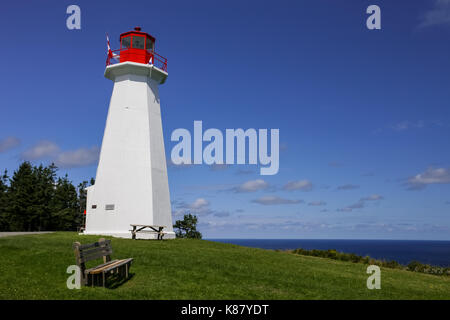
[(131, 185)]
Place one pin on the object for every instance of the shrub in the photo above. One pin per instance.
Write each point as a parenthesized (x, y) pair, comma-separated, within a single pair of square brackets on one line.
[(414, 266)]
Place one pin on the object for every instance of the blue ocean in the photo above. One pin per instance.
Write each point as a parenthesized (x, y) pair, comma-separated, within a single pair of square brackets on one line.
[(403, 251)]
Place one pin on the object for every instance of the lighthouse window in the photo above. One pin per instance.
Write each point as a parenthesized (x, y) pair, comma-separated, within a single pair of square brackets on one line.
[(109, 207), (126, 42), (138, 42), (149, 44)]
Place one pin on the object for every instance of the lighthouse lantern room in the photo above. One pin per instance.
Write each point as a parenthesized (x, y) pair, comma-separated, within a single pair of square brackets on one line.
[(131, 185), (136, 46)]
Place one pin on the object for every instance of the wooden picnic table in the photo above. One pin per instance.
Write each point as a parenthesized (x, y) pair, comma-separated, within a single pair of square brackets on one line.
[(141, 228)]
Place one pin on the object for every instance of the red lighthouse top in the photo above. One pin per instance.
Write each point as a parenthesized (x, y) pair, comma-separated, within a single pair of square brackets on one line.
[(137, 46)]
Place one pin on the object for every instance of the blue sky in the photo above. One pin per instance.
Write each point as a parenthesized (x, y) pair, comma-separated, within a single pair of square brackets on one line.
[(364, 115)]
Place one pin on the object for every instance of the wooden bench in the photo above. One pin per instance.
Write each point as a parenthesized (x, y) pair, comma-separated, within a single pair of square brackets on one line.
[(141, 228), (94, 251)]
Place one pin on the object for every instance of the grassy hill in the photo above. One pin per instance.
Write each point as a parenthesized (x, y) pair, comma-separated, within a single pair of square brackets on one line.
[(34, 267)]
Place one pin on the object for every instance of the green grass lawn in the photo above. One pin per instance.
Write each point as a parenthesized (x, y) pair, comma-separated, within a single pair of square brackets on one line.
[(34, 267)]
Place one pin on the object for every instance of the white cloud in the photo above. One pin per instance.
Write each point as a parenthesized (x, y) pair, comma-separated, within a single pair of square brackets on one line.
[(406, 124), (438, 15), (429, 176), (346, 209), (317, 203), (65, 159), (8, 143), (77, 158), (274, 200), (358, 205), (276, 225), (303, 185), (221, 214), (348, 187), (252, 186), (373, 197), (199, 204), (200, 207), (43, 149), (361, 203)]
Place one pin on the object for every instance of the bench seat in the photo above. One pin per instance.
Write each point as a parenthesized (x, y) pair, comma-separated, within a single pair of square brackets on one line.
[(99, 250), (108, 266)]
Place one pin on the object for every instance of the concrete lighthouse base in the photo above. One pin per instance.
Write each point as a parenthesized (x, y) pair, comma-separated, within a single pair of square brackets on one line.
[(131, 185)]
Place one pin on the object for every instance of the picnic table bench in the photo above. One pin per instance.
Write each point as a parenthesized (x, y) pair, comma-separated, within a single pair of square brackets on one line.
[(141, 228), (94, 251)]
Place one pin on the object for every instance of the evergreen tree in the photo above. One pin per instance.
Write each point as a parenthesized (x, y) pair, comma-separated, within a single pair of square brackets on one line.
[(82, 195), (4, 225), (82, 200), (34, 199), (66, 213), (187, 228), (44, 193), (21, 199)]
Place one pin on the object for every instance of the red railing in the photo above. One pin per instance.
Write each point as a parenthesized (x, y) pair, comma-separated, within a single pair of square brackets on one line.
[(150, 56), (159, 60)]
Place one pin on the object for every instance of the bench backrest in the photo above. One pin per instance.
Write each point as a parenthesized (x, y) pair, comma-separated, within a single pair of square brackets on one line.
[(92, 251)]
